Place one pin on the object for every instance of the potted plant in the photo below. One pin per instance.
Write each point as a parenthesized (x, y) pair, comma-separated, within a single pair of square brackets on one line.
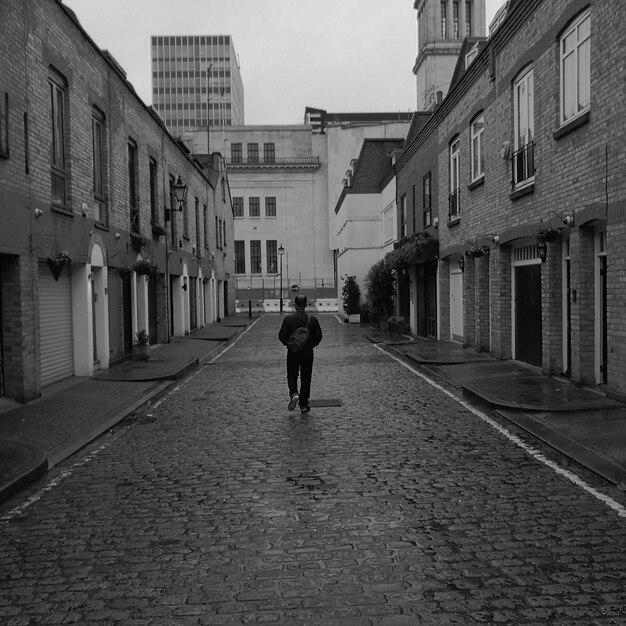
[(351, 295), (141, 347), (56, 263)]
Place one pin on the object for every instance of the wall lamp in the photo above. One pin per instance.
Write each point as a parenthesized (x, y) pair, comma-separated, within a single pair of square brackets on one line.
[(462, 263), (179, 189), (542, 250)]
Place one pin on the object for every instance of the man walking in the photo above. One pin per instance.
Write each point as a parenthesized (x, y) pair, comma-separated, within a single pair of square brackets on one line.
[(300, 362)]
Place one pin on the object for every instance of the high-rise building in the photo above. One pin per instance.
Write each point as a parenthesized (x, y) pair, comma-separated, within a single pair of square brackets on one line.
[(195, 79)]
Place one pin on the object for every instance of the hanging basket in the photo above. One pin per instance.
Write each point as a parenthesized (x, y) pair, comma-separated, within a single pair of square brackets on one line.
[(56, 264), (144, 267)]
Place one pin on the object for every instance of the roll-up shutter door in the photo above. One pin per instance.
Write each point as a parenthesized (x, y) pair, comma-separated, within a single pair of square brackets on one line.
[(55, 318)]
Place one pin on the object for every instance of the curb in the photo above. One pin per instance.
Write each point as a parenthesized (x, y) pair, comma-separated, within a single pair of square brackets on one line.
[(35, 467)]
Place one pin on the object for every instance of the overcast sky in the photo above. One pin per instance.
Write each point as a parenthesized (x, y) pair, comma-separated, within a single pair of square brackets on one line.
[(338, 55)]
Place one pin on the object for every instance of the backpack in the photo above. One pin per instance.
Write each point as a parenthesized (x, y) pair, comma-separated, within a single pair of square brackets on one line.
[(298, 338)]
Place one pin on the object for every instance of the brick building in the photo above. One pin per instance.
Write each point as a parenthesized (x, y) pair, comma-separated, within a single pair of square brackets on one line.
[(93, 247), (531, 193)]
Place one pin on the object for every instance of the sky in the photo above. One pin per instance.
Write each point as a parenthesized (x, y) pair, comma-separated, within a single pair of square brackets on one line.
[(337, 55)]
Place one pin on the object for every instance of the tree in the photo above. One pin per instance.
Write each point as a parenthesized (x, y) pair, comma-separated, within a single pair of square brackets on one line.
[(351, 295), (380, 288)]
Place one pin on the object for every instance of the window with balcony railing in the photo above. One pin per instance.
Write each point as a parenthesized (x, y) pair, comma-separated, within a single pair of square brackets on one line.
[(524, 121), (524, 164)]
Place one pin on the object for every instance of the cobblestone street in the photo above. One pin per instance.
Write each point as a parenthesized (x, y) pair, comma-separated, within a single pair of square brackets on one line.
[(399, 507)]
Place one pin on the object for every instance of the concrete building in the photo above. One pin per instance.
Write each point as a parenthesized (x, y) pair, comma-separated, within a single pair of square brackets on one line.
[(95, 246), (196, 81), (442, 26), (366, 210), (531, 200), (285, 183)]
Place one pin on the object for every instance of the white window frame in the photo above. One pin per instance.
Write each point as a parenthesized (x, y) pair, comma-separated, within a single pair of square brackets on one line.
[(477, 156), (574, 68), (454, 183), (524, 120)]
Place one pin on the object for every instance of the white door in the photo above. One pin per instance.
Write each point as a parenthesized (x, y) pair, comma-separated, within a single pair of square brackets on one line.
[(55, 323), (456, 304)]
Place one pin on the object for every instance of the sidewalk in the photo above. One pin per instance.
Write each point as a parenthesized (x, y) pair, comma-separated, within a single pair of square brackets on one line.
[(36, 436), (583, 425)]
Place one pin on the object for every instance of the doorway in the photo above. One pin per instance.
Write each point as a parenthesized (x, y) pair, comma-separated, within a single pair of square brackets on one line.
[(528, 329)]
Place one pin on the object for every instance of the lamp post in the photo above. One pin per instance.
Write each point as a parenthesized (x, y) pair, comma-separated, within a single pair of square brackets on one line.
[(281, 251)]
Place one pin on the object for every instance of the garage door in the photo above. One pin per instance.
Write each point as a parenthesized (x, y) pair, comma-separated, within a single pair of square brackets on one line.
[(55, 319)]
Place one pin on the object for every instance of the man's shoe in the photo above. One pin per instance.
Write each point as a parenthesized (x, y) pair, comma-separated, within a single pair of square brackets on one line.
[(305, 408), (294, 400)]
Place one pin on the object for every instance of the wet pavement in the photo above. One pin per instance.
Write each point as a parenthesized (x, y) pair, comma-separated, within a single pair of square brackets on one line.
[(393, 502)]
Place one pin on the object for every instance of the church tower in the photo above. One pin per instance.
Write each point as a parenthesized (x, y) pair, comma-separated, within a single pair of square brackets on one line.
[(442, 25)]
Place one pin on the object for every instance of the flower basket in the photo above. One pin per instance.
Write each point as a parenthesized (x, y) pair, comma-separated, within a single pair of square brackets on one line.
[(144, 267), (55, 264), (158, 231), (476, 253), (548, 234), (138, 241)]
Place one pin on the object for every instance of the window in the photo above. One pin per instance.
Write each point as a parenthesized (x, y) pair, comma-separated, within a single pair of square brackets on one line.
[(269, 152), (217, 233), (413, 211), (205, 226), (172, 213), (455, 20), (4, 126), (253, 153), (99, 159), (444, 20), (270, 207), (388, 223), (427, 200), (185, 219), (255, 256), (454, 207), (254, 207), (403, 216), (58, 149), (575, 68), (235, 153), (468, 18), (238, 206), (133, 187), (197, 216), (524, 144), (477, 159), (240, 257), (271, 256), (154, 191)]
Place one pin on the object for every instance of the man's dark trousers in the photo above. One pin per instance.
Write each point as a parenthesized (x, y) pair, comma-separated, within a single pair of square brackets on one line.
[(300, 363)]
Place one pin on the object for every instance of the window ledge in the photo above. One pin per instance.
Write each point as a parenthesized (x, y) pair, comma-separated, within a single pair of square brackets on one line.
[(477, 183), (524, 191), (571, 126), (454, 221), (101, 226), (61, 211)]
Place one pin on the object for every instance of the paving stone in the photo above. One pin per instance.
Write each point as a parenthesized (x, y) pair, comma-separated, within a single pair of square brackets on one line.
[(394, 505)]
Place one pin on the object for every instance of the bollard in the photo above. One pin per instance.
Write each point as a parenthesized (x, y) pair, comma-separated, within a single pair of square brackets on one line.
[(250, 309)]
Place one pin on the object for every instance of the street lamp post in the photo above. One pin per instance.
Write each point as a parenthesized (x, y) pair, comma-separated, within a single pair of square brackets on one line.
[(281, 251)]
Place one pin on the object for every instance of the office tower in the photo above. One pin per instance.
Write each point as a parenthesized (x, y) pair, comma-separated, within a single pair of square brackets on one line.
[(183, 68)]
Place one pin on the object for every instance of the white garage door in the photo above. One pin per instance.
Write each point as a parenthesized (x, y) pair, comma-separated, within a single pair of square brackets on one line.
[(55, 318)]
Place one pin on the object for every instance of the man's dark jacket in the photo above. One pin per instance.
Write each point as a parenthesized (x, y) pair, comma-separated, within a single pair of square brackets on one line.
[(297, 319)]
